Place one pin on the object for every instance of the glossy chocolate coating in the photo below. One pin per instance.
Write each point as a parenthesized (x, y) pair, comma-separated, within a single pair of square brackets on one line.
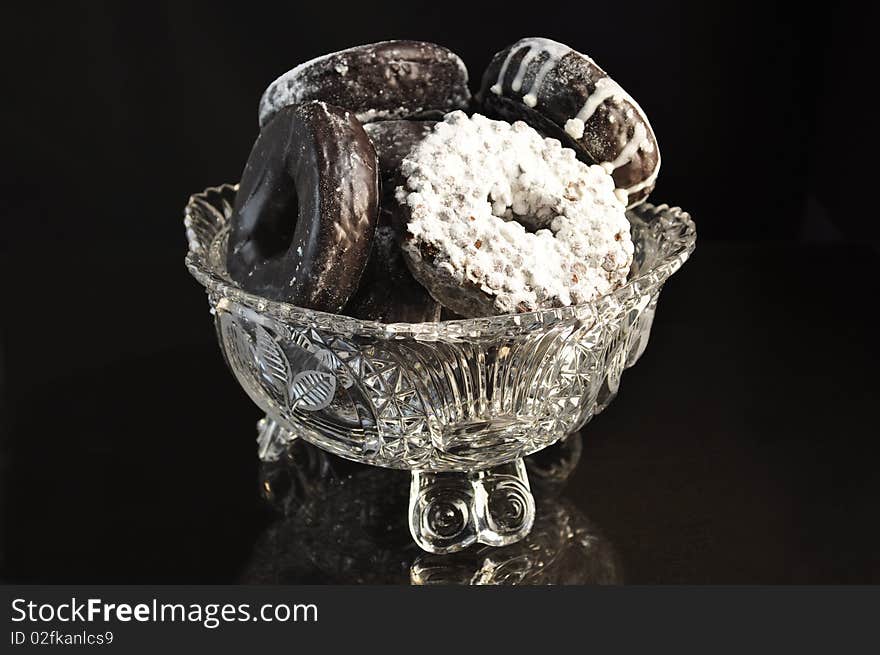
[(562, 92), (388, 292), (378, 81), (306, 208)]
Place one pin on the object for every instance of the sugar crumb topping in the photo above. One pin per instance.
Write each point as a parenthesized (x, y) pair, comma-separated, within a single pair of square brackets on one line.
[(513, 219)]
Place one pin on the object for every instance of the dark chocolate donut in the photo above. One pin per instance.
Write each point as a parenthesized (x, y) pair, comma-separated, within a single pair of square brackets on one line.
[(393, 141), (386, 80), (564, 94), (388, 292), (306, 208)]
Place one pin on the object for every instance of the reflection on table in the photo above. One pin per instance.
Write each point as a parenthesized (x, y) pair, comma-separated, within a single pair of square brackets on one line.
[(343, 523)]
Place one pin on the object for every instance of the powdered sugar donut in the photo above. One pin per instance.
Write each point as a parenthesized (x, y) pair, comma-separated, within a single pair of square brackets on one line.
[(378, 81), (566, 95), (502, 220)]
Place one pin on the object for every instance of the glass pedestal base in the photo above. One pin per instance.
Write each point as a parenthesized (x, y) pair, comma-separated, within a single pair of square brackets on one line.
[(448, 510)]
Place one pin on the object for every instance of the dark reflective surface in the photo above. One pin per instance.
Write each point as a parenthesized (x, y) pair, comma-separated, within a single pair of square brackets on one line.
[(343, 523)]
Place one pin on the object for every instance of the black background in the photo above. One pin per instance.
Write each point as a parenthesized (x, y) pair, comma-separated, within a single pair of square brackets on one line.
[(742, 447)]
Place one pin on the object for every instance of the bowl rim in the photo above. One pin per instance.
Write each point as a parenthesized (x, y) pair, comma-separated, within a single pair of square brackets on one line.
[(681, 248)]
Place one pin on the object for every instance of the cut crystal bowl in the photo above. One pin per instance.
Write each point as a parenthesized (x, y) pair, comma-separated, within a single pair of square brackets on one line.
[(457, 403)]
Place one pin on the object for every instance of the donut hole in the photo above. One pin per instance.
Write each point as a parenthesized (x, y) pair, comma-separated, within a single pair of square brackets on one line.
[(272, 240), (273, 234), (506, 213), (527, 201)]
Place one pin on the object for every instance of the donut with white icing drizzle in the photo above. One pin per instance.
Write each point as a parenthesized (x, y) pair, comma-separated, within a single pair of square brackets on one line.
[(378, 81), (502, 220), (306, 208), (564, 94)]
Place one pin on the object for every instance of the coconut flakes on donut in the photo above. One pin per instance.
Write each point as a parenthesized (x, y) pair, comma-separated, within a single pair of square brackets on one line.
[(502, 220)]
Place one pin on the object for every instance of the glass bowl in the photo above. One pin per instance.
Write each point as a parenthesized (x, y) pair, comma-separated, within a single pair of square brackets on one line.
[(457, 403)]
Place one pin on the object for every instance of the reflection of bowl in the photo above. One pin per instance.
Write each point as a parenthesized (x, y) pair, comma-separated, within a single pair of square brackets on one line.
[(341, 524), (454, 398)]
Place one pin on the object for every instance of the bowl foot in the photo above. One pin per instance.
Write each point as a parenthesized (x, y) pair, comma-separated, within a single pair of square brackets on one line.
[(272, 440), (449, 511)]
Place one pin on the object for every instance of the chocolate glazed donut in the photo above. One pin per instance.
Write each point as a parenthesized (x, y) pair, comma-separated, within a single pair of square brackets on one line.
[(393, 140), (379, 81), (306, 208), (388, 292), (564, 94)]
